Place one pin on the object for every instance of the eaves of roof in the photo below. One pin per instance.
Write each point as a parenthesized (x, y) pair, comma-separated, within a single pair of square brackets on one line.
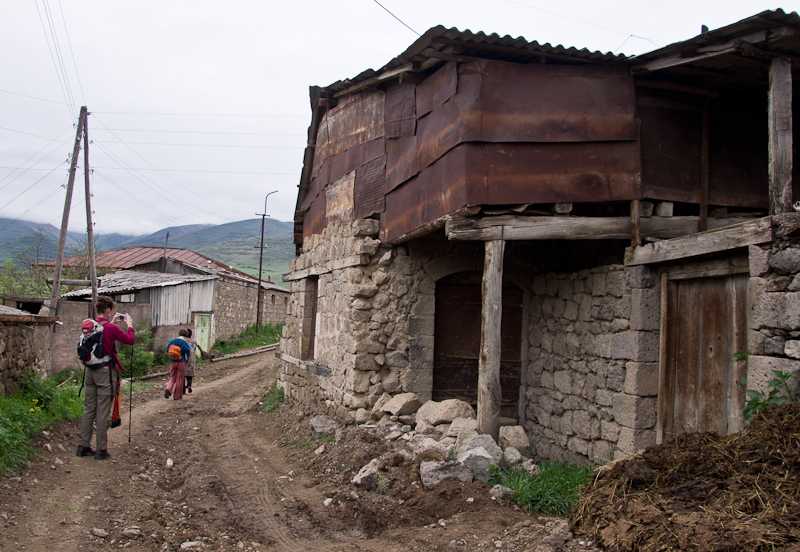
[(125, 281)]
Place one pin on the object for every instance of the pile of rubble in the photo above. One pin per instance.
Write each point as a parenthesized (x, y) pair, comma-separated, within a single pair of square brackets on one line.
[(440, 438)]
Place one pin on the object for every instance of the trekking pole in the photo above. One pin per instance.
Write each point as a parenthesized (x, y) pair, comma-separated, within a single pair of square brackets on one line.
[(130, 399)]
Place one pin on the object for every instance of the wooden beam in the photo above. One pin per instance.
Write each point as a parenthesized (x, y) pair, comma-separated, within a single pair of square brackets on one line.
[(510, 227), (713, 241), (780, 136), (396, 72), (704, 166), (704, 52), (636, 229), (489, 392)]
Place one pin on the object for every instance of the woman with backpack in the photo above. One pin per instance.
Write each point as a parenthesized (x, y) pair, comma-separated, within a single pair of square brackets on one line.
[(178, 351), (101, 380)]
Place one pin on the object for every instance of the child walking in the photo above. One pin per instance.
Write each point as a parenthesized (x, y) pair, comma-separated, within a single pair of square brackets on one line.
[(178, 351)]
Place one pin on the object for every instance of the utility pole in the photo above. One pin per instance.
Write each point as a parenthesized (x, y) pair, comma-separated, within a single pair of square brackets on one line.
[(62, 238), (89, 229), (260, 259)]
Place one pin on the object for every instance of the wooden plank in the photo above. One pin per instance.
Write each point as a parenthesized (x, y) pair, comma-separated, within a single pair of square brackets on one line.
[(666, 370), (687, 359), (704, 52), (710, 268), (704, 166), (511, 227), (780, 136), (406, 68), (489, 390), (325, 268), (712, 241), (738, 294), (714, 357), (636, 230)]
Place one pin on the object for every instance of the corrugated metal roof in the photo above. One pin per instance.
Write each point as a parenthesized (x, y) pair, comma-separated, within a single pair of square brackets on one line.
[(124, 281), (132, 256), (440, 40)]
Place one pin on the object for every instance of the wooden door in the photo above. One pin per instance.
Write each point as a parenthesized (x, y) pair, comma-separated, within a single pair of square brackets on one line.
[(202, 323), (704, 324), (457, 341)]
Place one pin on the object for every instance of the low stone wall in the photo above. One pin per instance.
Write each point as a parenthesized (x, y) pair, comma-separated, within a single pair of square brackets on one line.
[(592, 379), (774, 318), (24, 346)]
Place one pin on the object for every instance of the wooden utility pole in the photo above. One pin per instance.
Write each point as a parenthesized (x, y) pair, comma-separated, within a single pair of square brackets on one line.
[(164, 257), (260, 258), (62, 238), (89, 229)]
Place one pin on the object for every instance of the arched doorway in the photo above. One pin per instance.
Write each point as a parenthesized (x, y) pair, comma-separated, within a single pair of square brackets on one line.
[(457, 341)]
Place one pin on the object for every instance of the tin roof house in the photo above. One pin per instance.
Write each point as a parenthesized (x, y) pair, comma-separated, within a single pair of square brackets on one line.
[(595, 247), (187, 290)]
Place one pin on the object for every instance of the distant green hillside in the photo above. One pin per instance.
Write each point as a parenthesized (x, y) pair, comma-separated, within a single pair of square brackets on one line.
[(235, 244)]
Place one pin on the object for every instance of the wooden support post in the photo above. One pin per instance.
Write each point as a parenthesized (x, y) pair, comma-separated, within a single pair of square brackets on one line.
[(704, 167), (489, 395), (52, 305), (636, 230), (780, 136)]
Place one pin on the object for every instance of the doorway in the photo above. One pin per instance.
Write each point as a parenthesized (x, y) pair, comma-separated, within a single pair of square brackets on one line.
[(457, 341), (704, 325), (202, 324)]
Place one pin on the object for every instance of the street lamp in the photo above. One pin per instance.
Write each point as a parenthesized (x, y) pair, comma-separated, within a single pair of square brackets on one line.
[(260, 259)]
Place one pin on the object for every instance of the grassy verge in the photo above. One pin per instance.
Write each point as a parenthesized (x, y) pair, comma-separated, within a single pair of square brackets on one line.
[(267, 335), (555, 490), (272, 399), (38, 404)]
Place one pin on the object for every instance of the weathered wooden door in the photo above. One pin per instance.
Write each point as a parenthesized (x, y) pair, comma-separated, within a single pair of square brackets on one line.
[(704, 325), (202, 323), (457, 340)]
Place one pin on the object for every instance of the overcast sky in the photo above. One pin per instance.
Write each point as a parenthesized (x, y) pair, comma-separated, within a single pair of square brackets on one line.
[(199, 109)]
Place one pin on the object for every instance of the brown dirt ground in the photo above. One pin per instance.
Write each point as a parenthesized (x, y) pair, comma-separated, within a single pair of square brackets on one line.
[(704, 492), (243, 479)]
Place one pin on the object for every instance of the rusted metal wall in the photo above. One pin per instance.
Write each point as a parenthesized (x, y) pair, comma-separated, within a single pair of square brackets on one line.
[(481, 132)]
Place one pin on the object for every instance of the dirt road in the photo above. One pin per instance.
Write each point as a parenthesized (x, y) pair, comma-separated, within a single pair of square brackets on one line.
[(242, 479)]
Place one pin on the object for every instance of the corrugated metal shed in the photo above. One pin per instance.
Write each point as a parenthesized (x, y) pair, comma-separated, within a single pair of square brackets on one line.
[(126, 281)]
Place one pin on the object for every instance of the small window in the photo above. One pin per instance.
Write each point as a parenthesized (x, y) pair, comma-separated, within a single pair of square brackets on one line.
[(273, 299)]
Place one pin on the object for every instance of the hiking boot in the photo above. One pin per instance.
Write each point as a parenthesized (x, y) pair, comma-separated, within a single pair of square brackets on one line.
[(166, 393), (189, 389), (84, 451), (101, 455)]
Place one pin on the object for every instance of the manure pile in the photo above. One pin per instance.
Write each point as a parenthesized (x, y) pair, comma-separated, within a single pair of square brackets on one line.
[(703, 492)]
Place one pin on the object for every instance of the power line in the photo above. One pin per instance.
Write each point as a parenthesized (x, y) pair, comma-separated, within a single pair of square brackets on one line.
[(202, 132), (71, 52), (59, 56), (400, 20), (197, 145), (31, 157), (200, 114), (58, 75), (34, 135), (294, 174)]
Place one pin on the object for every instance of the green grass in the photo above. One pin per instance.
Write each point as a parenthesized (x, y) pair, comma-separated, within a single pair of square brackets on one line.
[(272, 398), (267, 335), (38, 404), (555, 490)]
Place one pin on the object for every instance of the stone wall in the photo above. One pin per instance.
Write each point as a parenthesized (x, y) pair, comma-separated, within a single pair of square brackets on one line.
[(274, 305), (592, 378), (774, 318), (235, 305), (374, 320), (24, 346)]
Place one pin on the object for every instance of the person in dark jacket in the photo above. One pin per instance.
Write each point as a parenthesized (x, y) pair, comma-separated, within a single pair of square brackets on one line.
[(101, 381)]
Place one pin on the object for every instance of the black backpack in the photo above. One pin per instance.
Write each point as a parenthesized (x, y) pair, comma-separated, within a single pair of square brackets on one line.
[(90, 345)]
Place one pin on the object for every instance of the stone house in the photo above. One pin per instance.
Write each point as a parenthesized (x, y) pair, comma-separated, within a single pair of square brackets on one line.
[(25, 345), (595, 247)]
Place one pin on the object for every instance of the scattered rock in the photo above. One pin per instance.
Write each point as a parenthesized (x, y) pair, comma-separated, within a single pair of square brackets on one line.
[(479, 461), (131, 532), (434, 473), (435, 413), (484, 441), (514, 436), (102, 533), (512, 456), (460, 424), (498, 492), (192, 545), (323, 424), (402, 404)]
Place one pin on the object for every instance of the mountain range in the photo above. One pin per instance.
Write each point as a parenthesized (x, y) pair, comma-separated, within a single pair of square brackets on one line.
[(236, 244)]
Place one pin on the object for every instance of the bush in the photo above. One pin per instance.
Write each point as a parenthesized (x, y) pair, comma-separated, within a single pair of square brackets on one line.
[(555, 490), (38, 404), (273, 397)]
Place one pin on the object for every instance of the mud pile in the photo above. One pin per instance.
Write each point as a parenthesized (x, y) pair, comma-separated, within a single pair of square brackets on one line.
[(703, 492)]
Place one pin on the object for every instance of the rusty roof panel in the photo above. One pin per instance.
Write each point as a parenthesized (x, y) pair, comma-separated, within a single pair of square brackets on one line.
[(502, 174), (315, 220), (401, 161), (341, 164), (437, 88), (368, 190), (555, 103), (400, 111), (357, 119)]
